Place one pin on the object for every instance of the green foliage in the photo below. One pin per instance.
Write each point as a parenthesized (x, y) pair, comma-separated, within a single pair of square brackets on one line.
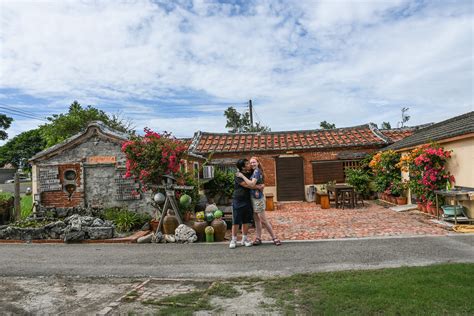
[(360, 180), (240, 122), (125, 220), (386, 169), (400, 291), (22, 147), (327, 125), (151, 157), (26, 203), (221, 185), (5, 123), (63, 126), (386, 125)]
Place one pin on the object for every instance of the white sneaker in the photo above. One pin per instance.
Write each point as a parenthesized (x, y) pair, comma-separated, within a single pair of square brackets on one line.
[(247, 243), (233, 244)]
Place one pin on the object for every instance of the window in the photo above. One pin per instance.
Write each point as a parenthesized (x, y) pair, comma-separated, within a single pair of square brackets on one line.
[(334, 170)]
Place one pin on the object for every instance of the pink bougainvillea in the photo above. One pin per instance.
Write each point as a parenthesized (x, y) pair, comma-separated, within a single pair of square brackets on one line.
[(427, 167), (152, 156)]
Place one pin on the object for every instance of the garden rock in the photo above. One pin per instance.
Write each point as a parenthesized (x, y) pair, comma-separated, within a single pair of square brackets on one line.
[(98, 223), (99, 232), (211, 208), (70, 236), (185, 234), (146, 226), (145, 239), (170, 238), (157, 238)]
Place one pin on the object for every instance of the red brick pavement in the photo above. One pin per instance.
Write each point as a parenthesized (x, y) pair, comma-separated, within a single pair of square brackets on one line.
[(307, 221)]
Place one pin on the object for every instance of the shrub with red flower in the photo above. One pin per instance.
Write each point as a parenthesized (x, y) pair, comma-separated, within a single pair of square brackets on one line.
[(427, 167), (152, 156)]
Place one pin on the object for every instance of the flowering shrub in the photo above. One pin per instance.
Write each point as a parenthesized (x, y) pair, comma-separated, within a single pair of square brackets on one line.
[(385, 167), (427, 167), (152, 156)]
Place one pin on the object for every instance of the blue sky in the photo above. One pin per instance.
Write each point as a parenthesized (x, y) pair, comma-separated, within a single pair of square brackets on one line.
[(178, 65)]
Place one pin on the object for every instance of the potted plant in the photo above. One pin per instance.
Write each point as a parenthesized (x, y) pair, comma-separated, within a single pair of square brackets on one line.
[(399, 188)]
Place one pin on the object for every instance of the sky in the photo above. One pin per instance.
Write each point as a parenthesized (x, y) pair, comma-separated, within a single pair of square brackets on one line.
[(177, 65)]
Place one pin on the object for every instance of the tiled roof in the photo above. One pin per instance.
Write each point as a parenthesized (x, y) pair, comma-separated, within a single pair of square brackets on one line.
[(98, 124), (397, 134), (363, 135), (456, 126)]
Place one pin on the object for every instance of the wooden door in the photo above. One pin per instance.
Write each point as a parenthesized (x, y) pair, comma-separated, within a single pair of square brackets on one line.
[(290, 179)]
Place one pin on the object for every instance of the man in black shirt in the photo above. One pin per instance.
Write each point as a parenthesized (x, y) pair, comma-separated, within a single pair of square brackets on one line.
[(242, 212)]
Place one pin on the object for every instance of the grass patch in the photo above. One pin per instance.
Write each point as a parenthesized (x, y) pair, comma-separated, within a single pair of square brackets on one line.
[(26, 203), (182, 304), (434, 290), (223, 290)]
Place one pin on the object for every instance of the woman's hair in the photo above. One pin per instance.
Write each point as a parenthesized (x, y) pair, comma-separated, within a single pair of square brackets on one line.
[(259, 165), (241, 164)]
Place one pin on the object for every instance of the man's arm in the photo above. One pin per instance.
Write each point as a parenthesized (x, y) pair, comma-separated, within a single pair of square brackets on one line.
[(251, 186)]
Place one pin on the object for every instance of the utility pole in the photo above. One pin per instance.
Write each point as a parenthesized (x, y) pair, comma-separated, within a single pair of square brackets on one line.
[(251, 112), (17, 197)]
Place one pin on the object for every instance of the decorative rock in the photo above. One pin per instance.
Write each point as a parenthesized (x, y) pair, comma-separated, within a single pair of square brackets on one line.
[(211, 208), (146, 226), (74, 236), (185, 234), (87, 220), (99, 232), (98, 223), (170, 238), (157, 238), (145, 239)]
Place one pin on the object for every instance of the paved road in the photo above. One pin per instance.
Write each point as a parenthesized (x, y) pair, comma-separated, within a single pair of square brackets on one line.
[(216, 260), (10, 187)]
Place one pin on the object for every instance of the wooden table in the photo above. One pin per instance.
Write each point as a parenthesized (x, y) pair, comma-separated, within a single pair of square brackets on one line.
[(340, 188)]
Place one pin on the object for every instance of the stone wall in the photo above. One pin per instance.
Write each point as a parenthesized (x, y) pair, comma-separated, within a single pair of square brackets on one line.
[(99, 165)]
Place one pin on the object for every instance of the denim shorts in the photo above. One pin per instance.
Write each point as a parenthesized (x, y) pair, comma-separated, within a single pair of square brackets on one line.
[(242, 215)]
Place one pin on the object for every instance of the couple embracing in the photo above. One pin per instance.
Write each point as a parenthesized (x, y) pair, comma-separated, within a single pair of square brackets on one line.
[(248, 202)]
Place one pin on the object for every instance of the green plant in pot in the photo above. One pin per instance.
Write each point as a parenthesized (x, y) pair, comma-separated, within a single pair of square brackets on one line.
[(360, 180)]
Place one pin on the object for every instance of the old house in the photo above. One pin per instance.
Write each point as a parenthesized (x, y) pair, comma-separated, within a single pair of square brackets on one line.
[(456, 134), (87, 170), (295, 160)]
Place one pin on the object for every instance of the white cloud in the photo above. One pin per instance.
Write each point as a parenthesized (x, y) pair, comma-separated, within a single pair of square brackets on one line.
[(347, 62)]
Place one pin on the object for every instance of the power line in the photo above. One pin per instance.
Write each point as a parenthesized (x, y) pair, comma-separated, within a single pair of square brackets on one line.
[(15, 112)]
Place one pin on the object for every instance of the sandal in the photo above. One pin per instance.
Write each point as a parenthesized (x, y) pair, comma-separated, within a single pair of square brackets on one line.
[(257, 241), (277, 242)]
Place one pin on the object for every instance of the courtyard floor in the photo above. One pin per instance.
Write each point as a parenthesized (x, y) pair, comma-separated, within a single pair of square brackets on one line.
[(307, 221)]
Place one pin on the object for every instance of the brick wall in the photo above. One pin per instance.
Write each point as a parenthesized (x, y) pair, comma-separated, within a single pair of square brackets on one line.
[(268, 161), (61, 198)]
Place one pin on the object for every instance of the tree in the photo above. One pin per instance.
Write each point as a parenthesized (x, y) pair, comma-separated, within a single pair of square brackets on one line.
[(405, 117), (63, 126), (386, 125), (240, 122), (326, 125), (5, 122), (22, 147)]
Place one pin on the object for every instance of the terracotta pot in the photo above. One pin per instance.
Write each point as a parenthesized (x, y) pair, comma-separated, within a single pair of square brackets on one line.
[(419, 206), (199, 227), (401, 200), (393, 199), (154, 224), (170, 223), (423, 208), (220, 228), (187, 216), (432, 209)]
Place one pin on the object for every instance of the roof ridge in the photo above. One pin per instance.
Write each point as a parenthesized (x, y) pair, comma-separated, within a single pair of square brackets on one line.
[(290, 131), (374, 129)]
